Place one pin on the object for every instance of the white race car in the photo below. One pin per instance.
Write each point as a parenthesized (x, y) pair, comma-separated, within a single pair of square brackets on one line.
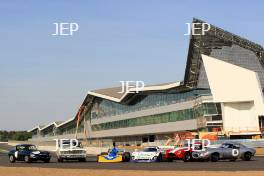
[(148, 154)]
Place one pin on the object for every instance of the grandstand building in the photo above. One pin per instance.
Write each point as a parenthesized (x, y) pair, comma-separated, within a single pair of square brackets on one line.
[(222, 93)]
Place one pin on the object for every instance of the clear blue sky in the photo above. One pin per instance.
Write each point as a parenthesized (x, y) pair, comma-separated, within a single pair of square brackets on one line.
[(45, 78)]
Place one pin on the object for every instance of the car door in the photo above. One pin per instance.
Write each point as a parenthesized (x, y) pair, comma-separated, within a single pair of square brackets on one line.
[(17, 153), (236, 151), (21, 153), (227, 151)]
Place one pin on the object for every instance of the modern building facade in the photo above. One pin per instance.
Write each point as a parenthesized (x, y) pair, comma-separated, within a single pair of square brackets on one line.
[(222, 93)]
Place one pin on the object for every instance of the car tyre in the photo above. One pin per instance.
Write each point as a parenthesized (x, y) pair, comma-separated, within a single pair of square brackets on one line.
[(126, 157), (60, 160), (247, 156), (214, 157), (82, 159), (170, 160), (12, 158), (46, 160), (187, 157), (159, 158), (27, 159)]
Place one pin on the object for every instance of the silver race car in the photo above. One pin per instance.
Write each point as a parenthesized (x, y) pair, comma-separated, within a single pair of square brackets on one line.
[(227, 151)]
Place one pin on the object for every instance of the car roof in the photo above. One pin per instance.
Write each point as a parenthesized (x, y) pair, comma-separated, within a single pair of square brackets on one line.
[(25, 145), (234, 143)]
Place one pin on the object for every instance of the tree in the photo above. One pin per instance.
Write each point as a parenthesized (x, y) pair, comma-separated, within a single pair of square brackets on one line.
[(14, 135)]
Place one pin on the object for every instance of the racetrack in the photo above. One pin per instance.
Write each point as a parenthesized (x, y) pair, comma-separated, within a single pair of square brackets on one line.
[(257, 164)]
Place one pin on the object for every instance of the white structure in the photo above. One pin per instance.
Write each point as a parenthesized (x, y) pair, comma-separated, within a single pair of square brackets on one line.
[(239, 91)]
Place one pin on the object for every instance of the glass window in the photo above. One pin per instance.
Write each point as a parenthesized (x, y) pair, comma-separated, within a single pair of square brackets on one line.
[(185, 114)]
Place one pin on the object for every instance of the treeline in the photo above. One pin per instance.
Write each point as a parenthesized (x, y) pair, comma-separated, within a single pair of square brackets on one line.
[(14, 135)]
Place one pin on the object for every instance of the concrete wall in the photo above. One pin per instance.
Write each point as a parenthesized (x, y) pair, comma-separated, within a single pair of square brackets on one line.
[(239, 117)]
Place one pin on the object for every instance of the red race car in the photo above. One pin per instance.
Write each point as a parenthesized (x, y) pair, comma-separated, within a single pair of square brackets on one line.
[(181, 153)]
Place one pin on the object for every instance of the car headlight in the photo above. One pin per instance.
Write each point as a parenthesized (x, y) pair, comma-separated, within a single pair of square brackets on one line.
[(204, 154), (32, 155)]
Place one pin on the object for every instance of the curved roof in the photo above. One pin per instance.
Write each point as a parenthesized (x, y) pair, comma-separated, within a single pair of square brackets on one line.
[(42, 127), (114, 94), (110, 94), (38, 127)]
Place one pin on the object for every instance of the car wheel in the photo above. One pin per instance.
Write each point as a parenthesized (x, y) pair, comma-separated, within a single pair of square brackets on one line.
[(170, 160), (82, 160), (187, 157), (159, 158), (12, 159), (46, 160), (126, 157), (27, 159), (247, 156), (214, 157), (60, 160)]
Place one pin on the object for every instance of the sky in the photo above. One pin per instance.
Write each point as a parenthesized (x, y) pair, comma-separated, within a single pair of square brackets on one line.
[(45, 78)]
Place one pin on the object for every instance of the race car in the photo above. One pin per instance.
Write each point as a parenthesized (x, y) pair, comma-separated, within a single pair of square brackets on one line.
[(114, 156), (65, 152), (148, 154), (227, 151), (182, 153), (28, 153)]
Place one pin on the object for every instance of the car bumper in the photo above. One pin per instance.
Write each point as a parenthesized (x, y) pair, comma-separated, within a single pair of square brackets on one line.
[(70, 156), (104, 159), (172, 157), (40, 157), (143, 161)]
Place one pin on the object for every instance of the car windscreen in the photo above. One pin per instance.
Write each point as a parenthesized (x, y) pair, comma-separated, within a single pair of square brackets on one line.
[(149, 150), (31, 147), (226, 145)]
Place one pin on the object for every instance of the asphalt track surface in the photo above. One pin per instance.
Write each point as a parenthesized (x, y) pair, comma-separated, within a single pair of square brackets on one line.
[(256, 164)]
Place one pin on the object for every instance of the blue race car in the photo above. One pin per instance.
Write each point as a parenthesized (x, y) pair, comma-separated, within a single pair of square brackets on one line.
[(28, 153)]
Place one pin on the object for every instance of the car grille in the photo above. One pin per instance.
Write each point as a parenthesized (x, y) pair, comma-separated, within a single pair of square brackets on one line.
[(72, 152), (43, 156)]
